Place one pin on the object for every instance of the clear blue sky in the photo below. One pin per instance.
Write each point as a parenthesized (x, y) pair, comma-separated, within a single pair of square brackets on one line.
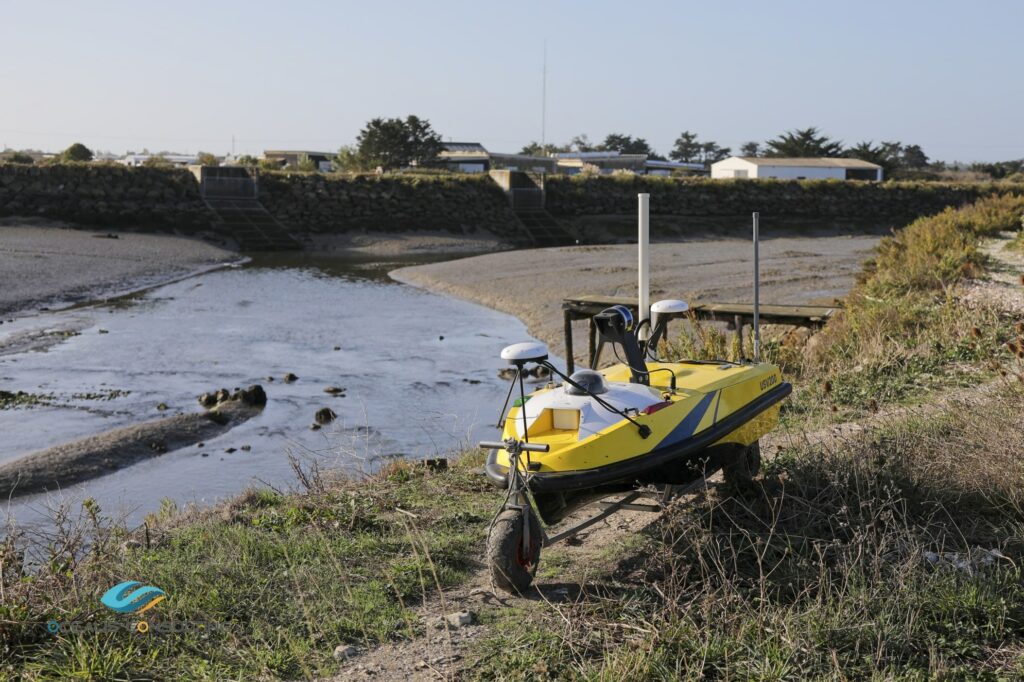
[(188, 75)]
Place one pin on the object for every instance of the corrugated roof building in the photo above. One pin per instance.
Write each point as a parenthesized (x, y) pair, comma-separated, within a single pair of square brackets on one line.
[(754, 167)]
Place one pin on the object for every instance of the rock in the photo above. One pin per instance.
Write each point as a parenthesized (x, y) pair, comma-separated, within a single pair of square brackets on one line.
[(254, 395), (289, 378), (208, 400), (222, 395), (344, 651), (101, 331), (245, 448), (337, 348), (459, 619), (507, 373), (161, 406), (440, 338), (324, 416), (436, 464), (200, 445), (471, 382), (314, 427), (334, 390), (204, 454), (229, 450)]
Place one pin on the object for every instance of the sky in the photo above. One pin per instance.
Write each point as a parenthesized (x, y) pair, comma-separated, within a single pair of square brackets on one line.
[(188, 76)]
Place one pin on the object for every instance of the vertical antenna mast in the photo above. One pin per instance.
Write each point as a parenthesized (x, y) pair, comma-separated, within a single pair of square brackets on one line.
[(544, 100)]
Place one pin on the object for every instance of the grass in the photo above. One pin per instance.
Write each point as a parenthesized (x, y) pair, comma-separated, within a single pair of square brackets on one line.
[(894, 554), (843, 565), (288, 577)]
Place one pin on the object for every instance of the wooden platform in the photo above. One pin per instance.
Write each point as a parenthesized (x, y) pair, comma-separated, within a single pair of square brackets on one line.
[(736, 314)]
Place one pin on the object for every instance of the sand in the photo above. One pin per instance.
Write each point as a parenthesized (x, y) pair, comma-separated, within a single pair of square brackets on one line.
[(531, 284), (47, 265)]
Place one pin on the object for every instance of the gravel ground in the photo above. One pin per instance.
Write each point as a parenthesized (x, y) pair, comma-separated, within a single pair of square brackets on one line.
[(532, 284), (48, 265)]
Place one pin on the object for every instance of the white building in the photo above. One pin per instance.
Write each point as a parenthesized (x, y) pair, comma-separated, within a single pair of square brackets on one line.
[(796, 169), (173, 159)]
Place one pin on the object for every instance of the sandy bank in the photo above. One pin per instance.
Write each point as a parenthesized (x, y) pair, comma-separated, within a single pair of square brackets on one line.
[(86, 458), (44, 264), (531, 284)]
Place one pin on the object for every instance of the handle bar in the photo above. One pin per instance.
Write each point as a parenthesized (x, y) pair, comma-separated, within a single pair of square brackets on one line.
[(526, 447)]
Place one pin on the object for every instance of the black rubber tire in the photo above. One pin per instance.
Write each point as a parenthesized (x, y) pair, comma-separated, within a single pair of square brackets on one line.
[(510, 570), (741, 472)]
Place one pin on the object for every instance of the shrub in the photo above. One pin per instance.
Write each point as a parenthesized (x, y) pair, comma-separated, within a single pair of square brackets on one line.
[(77, 152), (18, 157)]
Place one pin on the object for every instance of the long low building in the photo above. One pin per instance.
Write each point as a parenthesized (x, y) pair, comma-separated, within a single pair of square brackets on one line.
[(755, 167)]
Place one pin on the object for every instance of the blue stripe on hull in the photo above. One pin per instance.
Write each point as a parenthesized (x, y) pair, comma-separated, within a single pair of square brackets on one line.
[(688, 426)]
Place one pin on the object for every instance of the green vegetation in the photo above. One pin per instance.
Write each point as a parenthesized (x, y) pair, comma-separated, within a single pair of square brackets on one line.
[(894, 555), (10, 400), (391, 143), (18, 157), (288, 577), (904, 328), (77, 152), (207, 159)]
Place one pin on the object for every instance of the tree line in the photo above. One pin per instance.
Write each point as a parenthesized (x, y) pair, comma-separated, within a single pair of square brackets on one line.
[(394, 143)]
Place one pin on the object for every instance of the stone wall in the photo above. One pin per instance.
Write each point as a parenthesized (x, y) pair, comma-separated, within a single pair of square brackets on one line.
[(616, 195), (405, 203), (105, 195)]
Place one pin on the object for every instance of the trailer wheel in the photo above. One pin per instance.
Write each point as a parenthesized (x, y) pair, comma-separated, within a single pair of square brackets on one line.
[(740, 473), (512, 565)]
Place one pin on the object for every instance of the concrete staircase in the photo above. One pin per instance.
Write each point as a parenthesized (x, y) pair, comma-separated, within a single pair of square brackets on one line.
[(251, 225), (543, 229), (233, 196)]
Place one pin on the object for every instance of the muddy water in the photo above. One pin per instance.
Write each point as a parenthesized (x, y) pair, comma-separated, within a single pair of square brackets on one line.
[(418, 369)]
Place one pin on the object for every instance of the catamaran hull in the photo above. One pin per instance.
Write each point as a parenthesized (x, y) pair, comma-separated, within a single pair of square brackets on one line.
[(681, 462)]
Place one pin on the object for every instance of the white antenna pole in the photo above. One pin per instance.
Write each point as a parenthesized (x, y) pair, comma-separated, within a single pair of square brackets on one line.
[(644, 284), (757, 291), (544, 98)]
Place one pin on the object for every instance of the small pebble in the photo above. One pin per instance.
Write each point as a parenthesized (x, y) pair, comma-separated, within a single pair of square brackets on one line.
[(162, 406), (344, 651), (337, 348), (204, 454), (246, 448), (229, 450), (289, 377)]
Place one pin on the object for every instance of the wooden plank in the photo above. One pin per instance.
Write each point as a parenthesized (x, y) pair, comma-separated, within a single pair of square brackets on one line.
[(587, 305)]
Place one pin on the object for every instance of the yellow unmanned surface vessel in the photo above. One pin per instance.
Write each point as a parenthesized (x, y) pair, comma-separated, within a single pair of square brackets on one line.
[(639, 426)]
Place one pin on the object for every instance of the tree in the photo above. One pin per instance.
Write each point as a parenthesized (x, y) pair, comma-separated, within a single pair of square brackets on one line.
[(247, 160), (77, 152), (581, 143), (803, 143), (687, 148), (711, 152), (306, 164), (914, 157), (348, 159), (207, 159), (750, 149), (394, 143), (19, 157), (534, 149), (888, 155), (626, 144)]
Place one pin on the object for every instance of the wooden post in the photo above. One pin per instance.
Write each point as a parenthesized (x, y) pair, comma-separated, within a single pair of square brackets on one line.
[(738, 321), (570, 362)]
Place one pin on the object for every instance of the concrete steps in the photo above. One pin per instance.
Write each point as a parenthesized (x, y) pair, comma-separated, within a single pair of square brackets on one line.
[(247, 222), (543, 229)]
